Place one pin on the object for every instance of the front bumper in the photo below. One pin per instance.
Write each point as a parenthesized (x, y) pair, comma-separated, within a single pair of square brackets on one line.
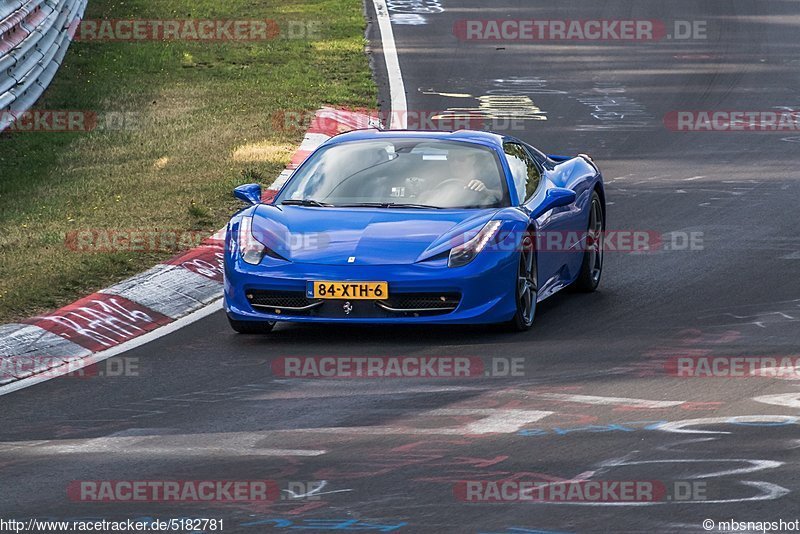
[(485, 291)]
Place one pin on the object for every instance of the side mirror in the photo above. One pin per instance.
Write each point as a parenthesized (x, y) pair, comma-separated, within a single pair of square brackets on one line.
[(554, 198), (250, 193)]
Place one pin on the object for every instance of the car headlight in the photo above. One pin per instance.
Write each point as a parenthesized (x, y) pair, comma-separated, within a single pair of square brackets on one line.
[(251, 249), (463, 254)]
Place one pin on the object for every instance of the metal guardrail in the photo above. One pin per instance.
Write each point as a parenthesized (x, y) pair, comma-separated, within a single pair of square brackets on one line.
[(34, 37)]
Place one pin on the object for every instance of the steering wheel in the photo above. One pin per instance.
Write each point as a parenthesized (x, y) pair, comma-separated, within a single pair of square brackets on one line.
[(448, 182), (443, 192)]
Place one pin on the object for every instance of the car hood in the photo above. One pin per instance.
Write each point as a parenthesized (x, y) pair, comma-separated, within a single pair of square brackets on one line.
[(332, 236)]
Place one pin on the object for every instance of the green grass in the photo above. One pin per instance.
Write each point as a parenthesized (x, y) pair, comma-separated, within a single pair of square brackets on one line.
[(203, 125)]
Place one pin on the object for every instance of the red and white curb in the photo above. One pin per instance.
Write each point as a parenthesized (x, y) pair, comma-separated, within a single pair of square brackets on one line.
[(145, 307)]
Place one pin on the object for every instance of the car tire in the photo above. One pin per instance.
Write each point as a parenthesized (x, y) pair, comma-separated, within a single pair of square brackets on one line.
[(251, 327), (526, 289), (592, 266)]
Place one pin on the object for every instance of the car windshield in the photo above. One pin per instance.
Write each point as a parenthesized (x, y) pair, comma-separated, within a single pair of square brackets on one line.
[(399, 173)]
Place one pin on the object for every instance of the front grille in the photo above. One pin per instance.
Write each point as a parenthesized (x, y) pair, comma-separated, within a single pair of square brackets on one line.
[(295, 303), (278, 299), (422, 302)]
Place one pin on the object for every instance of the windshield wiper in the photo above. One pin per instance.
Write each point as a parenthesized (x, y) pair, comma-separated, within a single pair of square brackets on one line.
[(389, 205), (306, 202)]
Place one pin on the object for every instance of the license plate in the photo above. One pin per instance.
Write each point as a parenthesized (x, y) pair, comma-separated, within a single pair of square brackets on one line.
[(348, 290)]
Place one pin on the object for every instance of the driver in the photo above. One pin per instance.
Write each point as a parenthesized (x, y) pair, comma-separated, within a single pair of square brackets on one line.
[(467, 168)]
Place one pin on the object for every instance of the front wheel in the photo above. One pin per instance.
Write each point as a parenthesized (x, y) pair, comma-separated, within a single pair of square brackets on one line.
[(527, 290), (592, 267), (251, 327)]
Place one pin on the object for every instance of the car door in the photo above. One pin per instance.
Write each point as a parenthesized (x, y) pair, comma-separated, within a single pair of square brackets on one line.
[(530, 185), (555, 257)]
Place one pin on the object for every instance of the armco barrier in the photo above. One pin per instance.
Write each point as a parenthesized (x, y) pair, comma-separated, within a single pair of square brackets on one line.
[(34, 37)]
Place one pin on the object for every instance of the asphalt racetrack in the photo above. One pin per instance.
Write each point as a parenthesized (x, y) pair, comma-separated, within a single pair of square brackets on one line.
[(595, 400)]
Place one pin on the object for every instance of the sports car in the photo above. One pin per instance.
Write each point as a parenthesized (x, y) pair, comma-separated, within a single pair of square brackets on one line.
[(381, 226)]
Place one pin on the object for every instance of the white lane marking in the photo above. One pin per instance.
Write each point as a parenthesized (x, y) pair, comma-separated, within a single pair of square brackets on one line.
[(492, 421), (609, 401), (768, 492), (377, 431), (423, 7), (680, 446), (790, 400), (680, 427), (496, 107), (448, 95), (408, 19), (397, 89), (753, 465), (693, 178), (346, 391), (98, 357), (316, 491), (211, 444)]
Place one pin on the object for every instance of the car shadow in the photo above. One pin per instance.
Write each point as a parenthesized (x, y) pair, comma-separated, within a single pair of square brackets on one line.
[(337, 335)]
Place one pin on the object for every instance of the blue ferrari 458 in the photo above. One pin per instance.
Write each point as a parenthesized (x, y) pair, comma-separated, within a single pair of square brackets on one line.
[(415, 227)]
